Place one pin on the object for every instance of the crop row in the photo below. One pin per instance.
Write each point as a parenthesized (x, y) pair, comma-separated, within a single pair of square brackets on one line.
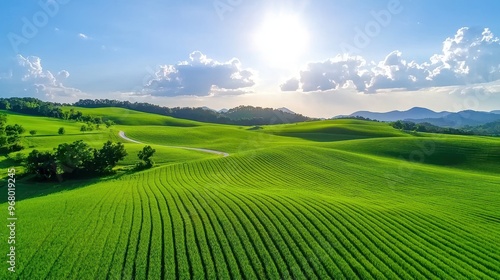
[(311, 216)]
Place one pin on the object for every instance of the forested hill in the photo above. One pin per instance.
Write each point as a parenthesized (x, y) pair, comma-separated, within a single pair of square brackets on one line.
[(242, 115)]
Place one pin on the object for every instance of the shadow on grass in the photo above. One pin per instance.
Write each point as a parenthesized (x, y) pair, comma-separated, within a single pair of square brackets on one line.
[(256, 127), (66, 134), (322, 137), (8, 163), (29, 186)]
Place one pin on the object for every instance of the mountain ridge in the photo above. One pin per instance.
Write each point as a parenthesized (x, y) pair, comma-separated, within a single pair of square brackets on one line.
[(443, 119), (413, 113)]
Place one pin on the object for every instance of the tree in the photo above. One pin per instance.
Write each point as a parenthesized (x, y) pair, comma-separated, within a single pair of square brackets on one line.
[(10, 136), (83, 128), (145, 155), (420, 128), (15, 129), (398, 125), (74, 157), (13, 138), (33, 132), (109, 123), (107, 157), (3, 118), (3, 141), (43, 164), (5, 105), (61, 131)]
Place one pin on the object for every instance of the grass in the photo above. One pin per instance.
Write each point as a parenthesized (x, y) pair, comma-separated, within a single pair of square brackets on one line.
[(281, 206), (47, 138), (478, 154), (131, 117), (335, 130)]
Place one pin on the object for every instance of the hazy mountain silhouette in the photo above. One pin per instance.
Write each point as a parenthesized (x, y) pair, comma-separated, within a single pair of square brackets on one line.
[(413, 113), (444, 119)]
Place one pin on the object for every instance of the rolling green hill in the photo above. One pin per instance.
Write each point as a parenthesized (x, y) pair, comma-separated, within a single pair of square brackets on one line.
[(335, 130), (478, 154), (131, 117), (316, 200), (47, 138)]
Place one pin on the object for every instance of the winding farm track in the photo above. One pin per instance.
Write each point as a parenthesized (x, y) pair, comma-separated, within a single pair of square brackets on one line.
[(224, 154)]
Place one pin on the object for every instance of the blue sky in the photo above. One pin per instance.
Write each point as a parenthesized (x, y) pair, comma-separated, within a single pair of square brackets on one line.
[(266, 53)]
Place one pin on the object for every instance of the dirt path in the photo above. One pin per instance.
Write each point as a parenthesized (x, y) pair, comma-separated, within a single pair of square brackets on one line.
[(122, 135)]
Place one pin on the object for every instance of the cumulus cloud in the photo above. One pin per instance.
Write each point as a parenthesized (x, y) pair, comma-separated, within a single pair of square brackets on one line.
[(83, 36), (27, 77), (290, 85), (471, 56), (200, 76)]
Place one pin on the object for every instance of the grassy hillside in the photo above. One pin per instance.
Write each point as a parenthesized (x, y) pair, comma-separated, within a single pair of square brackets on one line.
[(334, 130), (479, 154), (317, 200), (47, 138), (131, 117)]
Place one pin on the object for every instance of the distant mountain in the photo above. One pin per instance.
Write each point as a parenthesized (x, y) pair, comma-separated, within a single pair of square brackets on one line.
[(208, 108), (443, 119), (223, 110), (461, 119), (286, 110), (413, 113)]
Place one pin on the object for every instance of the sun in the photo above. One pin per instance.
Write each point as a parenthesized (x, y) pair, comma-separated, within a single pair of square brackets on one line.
[(281, 39)]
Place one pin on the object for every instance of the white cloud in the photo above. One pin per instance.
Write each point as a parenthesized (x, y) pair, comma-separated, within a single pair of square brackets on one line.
[(83, 36), (216, 91), (471, 56), (27, 77), (200, 76), (292, 84)]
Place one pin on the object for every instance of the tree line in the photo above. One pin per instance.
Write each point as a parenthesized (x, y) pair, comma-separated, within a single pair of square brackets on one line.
[(10, 136), (355, 118), (79, 159), (35, 107), (75, 159), (489, 129), (241, 115), (427, 127)]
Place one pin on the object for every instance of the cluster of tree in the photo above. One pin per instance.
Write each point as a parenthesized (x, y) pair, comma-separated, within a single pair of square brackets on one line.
[(427, 127), (75, 159), (10, 136), (355, 118), (91, 126), (242, 115), (145, 157), (249, 115), (31, 106), (36, 107), (489, 129)]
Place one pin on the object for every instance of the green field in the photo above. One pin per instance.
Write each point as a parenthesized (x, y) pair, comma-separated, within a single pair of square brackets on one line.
[(336, 199)]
